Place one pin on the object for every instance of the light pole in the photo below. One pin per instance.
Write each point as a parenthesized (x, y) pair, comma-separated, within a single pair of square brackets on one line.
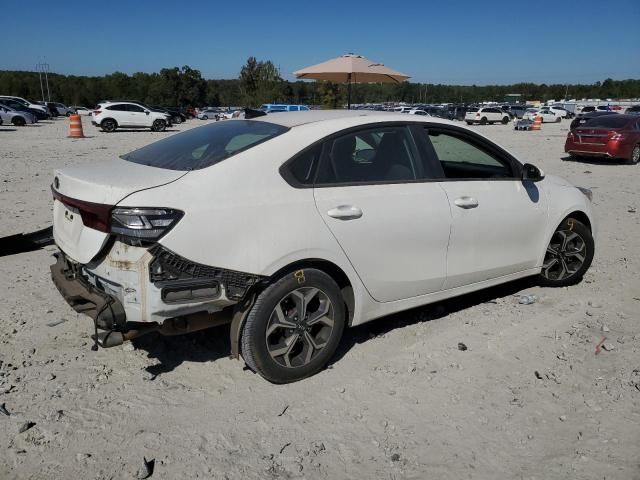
[(44, 68)]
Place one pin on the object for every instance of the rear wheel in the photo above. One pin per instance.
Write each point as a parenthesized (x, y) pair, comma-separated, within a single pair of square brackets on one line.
[(204, 117), (469, 123), (568, 255), (19, 121), (483, 121), (558, 120), (635, 156), (109, 125), (505, 120), (294, 327), (158, 126)]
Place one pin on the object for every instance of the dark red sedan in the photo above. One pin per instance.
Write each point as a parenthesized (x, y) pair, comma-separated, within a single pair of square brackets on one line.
[(611, 136)]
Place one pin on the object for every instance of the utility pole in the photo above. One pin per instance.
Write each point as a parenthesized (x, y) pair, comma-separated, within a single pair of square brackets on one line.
[(44, 68)]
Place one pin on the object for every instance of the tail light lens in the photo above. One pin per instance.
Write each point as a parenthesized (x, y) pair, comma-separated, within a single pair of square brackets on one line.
[(139, 225), (478, 114), (94, 215)]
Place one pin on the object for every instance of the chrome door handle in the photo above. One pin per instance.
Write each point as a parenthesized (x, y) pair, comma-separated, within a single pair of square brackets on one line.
[(466, 202), (345, 212)]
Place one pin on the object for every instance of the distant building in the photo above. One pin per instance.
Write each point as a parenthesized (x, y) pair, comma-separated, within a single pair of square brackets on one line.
[(513, 98)]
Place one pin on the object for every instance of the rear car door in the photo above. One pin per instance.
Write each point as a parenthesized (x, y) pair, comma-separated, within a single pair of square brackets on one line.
[(392, 225), (498, 221)]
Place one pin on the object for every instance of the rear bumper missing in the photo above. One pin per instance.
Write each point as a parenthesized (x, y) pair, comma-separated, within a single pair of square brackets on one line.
[(106, 311)]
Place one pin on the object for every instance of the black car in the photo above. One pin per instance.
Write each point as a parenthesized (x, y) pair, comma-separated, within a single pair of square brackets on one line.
[(176, 115), (633, 110), (582, 119), (21, 107)]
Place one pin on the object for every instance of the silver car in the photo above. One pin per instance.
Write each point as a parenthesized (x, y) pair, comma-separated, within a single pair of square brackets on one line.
[(18, 118)]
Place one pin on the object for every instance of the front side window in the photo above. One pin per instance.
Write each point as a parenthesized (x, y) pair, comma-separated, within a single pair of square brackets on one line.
[(205, 146), (373, 155), (135, 108), (462, 159)]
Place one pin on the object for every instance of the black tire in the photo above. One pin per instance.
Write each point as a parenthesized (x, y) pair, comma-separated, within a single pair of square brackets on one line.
[(255, 339), (483, 121), (558, 120), (158, 126), (108, 125), (68, 114), (569, 254), (635, 156), (469, 123), (204, 117), (505, 120), (177, 119), (19, 121)]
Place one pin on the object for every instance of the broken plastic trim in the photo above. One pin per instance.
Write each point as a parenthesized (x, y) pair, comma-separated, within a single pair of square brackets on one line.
[(26, 242), (168, 267)]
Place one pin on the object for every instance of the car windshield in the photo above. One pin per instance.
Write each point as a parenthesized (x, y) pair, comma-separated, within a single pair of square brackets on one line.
[(205, 146), (607, 121)]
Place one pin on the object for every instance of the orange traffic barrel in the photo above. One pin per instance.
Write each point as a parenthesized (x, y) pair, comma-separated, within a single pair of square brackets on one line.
[(75, 126), (537, 123)]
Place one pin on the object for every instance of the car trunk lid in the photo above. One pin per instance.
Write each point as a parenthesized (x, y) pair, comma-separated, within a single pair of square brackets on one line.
[(592, 136), (84, 197)]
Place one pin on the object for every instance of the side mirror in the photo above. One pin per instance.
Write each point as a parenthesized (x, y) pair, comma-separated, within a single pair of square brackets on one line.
[(147, 112), (531, 173)]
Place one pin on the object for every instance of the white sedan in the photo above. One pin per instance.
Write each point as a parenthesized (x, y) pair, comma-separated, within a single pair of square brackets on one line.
[(547, 115), (294, 227)]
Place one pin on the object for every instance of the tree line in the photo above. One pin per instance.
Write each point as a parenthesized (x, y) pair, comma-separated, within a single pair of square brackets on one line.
[(260, 82)]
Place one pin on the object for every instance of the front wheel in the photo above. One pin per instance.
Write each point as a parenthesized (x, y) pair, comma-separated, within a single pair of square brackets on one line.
[(483, 121), (635, 156), (19, 122), (569, 254), (204, 117), (469, 123), (505, 120), (158, 126), (558, 120), (294, 327)]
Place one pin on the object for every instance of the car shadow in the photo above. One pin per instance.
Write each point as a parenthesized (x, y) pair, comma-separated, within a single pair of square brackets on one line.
[(7, 129), (213, 344), (594, 160)]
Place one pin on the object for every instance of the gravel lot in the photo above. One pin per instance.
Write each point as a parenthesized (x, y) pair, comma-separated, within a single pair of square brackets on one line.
[(528, 399)]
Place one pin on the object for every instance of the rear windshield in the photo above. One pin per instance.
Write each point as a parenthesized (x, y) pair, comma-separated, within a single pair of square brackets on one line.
[(607, 121), (205, 146)]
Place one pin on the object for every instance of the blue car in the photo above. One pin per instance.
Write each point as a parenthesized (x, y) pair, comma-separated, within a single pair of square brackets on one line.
[(281, 107)]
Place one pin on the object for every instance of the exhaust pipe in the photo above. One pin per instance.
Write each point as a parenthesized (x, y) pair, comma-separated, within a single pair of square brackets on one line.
[(170, 327)]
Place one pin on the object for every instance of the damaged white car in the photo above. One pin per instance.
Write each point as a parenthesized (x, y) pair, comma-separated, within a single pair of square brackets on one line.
[(294, 227)]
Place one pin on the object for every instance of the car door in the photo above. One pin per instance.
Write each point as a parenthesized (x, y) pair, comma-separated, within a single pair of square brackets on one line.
[(498, 221), (391, 224), (138, 116)]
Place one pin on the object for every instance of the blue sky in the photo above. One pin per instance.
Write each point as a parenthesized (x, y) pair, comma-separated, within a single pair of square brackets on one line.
[(451, 41)]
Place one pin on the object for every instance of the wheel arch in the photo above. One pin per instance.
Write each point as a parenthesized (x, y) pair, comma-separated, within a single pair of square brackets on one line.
[(575, 212), (109, 118), (334, 271)]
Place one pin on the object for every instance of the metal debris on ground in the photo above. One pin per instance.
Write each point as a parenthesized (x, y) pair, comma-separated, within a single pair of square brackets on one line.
[(462, 347), (283, 411), (26, 426), (527, 299), (599, 345), (3, 410)]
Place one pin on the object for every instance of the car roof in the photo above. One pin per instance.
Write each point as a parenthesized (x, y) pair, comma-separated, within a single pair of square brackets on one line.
[(294, 119)]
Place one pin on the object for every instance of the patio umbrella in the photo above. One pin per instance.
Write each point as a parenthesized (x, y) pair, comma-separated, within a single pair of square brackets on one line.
[(350, 69)]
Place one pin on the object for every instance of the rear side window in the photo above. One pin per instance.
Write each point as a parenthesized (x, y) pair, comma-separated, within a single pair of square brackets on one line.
[(383, 154), (205, 146), (118, 108), (472, 109)]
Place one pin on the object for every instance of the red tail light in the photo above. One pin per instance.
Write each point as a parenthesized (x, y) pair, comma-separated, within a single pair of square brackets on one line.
[(478, 114), (94, 215)]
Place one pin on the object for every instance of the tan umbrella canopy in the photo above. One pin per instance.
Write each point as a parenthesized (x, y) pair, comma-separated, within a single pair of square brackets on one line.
[(350, 69)]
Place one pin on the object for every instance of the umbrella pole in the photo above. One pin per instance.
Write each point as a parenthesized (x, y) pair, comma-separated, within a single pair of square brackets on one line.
[(349, 94)]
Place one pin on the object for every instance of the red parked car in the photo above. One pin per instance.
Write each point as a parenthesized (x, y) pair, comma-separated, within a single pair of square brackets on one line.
[(611, 136)]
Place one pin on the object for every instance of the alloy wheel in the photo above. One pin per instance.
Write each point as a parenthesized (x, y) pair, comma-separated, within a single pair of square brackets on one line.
[(299, 327), (565, 255)]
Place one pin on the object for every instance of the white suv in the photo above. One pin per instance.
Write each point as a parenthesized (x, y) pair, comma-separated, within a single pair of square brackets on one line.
[(484, 115), (110, 116)]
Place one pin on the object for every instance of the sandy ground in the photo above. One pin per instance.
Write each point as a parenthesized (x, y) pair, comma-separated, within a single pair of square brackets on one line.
[(528, 399)]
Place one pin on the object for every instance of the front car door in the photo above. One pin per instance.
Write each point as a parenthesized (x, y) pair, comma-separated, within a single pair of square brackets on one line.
[(393, 226), (498, 221), (139, 117)]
